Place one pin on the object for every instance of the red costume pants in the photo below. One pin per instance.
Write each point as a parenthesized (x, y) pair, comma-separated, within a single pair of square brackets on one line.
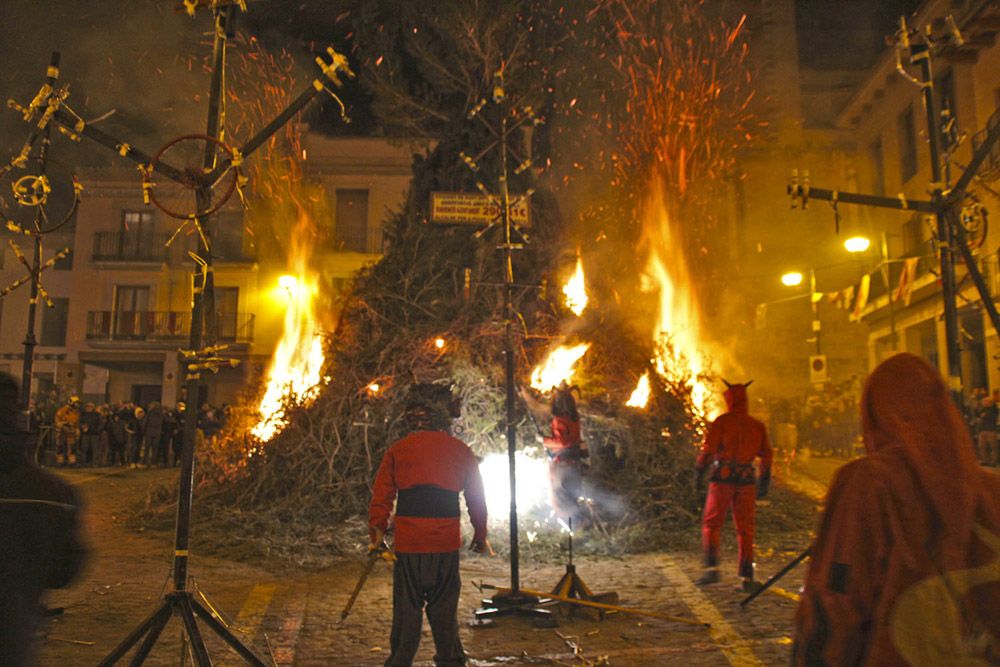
[(742, 498)]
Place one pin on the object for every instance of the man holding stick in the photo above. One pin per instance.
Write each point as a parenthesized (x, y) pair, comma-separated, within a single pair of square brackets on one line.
[(424, 473)]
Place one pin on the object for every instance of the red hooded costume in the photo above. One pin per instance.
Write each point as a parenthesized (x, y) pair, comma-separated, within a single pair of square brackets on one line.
[(732, 443), (906, 565), (566, 450)]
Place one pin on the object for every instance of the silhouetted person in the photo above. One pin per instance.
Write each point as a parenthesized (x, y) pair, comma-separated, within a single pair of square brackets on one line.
[(905, 568), (41, 546)]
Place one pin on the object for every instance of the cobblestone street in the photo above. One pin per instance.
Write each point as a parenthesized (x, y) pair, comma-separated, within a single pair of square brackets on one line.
[(293, 614)]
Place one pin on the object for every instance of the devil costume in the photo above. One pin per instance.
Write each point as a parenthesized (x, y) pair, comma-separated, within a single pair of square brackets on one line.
[(732, 443), (566, 451), (905, 568)]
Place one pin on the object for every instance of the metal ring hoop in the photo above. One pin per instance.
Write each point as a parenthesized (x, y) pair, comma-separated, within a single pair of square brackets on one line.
[(194, 182), (39, 202)]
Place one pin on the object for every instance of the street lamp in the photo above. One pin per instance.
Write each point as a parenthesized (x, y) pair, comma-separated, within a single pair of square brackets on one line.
[(857, 244), (791, 279), (794, 279)]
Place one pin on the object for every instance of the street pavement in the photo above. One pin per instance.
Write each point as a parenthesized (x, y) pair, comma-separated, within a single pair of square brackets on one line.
[(293, 615)]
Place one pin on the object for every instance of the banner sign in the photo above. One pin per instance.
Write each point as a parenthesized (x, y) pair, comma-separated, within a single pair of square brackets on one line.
[(473, 209)]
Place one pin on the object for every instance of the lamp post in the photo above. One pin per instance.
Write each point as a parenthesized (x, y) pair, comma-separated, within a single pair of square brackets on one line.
[(794, 279)]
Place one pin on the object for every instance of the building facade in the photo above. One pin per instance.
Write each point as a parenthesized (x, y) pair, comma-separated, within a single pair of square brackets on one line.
[(122, 302), (887, 119)]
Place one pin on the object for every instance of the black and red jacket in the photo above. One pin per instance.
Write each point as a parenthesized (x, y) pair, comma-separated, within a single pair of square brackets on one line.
[(424, 473)]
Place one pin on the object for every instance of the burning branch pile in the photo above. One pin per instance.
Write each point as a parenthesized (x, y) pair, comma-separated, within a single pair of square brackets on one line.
[(412, 317)]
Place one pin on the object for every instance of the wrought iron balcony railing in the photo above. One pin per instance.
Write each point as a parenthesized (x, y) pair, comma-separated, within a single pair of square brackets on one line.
[(129, 247), (153, 326)]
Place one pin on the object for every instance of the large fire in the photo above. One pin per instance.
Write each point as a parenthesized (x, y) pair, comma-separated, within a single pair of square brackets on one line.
[(640, 395), (558, 367), (575, 290), (296, 367), (679, 347)]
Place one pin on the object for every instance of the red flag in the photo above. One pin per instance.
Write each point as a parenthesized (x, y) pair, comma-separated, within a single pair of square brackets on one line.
[(906, 277), (862, 300)]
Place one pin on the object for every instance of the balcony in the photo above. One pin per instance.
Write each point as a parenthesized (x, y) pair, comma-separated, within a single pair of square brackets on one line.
[(129, 247), (171, 327)]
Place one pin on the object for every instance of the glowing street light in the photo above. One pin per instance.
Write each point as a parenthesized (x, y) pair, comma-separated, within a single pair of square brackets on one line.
[(857, 244), (791, 279)]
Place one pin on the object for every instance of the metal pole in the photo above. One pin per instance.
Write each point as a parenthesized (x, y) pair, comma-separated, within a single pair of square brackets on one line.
[(36, 267), (202, 310), (816, 324), (508, 307), (920, 53)]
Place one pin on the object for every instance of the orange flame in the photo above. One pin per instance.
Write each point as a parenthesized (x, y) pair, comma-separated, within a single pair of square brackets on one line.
[(296, 367), (575, 290), (557, 367), (678, 321), (640, 395)]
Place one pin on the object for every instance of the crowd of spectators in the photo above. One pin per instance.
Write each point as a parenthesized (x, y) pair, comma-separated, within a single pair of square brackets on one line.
[(115, 434), (824, 422)]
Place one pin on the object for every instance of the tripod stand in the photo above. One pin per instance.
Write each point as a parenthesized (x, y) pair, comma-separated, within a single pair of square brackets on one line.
[(571, 585)]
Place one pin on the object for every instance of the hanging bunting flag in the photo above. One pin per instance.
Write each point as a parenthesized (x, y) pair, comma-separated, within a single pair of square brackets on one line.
[(847, 297), (862, 300), (906, 277)]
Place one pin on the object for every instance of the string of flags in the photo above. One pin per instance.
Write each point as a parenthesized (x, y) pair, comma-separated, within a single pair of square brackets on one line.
[(855, 297)]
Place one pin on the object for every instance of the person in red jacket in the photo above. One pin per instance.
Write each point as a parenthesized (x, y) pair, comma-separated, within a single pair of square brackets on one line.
[(731, 444), (905, 568), (566, 451), (423, 473)]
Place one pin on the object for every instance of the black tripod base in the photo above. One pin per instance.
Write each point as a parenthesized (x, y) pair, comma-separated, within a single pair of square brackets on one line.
[(185, 607), (515, 603)]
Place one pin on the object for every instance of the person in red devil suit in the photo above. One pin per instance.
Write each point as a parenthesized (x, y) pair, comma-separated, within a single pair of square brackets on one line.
[(566, 451), (905, 569), (727, 455), (565, 448)]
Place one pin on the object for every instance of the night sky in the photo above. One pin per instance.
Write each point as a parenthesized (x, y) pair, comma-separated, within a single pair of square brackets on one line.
[(143, 61)]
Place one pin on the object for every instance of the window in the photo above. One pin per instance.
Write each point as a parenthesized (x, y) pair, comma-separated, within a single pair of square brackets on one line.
[(54, 322), (136, 238), (908, 164), (131, 308), (945, 86), (878, 166), (351, 232), (227, 236), (913, 234), (227, 303)]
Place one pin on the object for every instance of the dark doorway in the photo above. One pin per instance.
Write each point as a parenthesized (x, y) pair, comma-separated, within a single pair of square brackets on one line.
[(144, 394)]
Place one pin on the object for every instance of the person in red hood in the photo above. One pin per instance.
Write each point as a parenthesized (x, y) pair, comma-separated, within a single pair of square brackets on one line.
[(731, 444), (905, 568), (566, 451), (424, 473)]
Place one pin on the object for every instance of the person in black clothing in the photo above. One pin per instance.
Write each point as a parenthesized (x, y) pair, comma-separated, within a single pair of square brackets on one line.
[(39, 523), (178, 437), (90, 435), (118, 437)]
